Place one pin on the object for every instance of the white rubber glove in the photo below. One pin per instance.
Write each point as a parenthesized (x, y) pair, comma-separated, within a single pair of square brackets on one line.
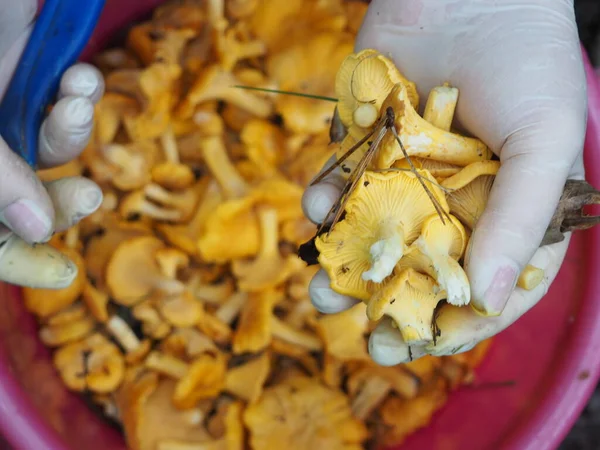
[(519, 69), (29, 209)]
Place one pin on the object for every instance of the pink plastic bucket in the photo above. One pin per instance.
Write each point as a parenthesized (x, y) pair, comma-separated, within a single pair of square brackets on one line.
[(551, 354)]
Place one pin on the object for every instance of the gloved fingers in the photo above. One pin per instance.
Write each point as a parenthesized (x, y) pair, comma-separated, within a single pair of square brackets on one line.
[(82, 80), (15, 17), (25, 207), (535, 163), (66, 131), (325, 299), (317, 200), (35, 266), (462, 328), (73, 198)]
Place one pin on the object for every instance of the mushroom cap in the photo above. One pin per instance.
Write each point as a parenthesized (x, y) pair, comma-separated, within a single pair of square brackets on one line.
[(159, 85), (205, 378), (96, 301), (315, 61), (394, 199), (187, 343), (246, 381), (409, 299), (301, 413), (230, 232), (172, 175), (101, 371), (132, 270), (149, 416), (100, 248), (55, 335), (254, 329), (171, 261), (132, 162), (181, 310), (403, 417), (109, 113), (363, 82), (469, 191), (185, 236), (264, 142), (344, 333), (45, 302), (447, 237)]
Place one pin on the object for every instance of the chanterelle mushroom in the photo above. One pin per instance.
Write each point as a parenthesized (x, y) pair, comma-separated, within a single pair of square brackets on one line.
[(133, 273), (150, 417), (93, 363), (420, 138), (436, 252), (410, 299), (363, 82), (308, 67), (301, 413), (440, 106), (246, 380), (269, 268), (383, 215), (214, 83), (203, 378)]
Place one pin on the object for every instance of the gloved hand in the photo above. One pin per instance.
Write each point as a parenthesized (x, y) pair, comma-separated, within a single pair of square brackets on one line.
[(518, 67), (29, 209)]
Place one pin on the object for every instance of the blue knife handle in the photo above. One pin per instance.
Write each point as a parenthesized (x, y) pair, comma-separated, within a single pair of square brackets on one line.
[(59, 35)]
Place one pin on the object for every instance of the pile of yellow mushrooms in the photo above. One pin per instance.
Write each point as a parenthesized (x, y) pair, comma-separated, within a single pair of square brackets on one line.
[(189, 323)]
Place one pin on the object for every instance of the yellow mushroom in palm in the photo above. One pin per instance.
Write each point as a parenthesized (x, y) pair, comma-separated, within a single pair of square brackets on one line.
[(436, 252), (384, 215), (363, 82), (440, 106), (409, 299), (421, 138)]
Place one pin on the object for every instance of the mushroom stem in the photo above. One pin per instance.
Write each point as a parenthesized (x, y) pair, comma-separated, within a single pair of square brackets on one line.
[(269, 233), (230, 309), (153, 211), (286, 333), (169, 145), (421, 138), (385, 253), (374, 391), (440, 107), (215, 83), (216, 158), (72, 237), (118, 155), (159, 194), (448, 273), (216, 13), (166, 364), (119, 329), (530, 277)]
